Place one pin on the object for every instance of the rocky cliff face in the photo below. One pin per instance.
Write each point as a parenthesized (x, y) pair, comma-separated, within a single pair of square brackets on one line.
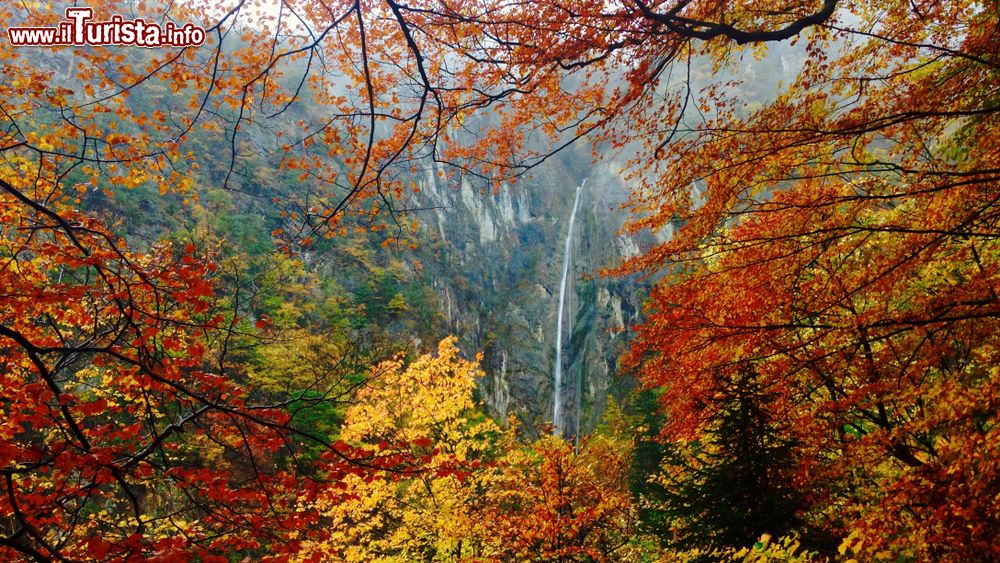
[(496, 267)]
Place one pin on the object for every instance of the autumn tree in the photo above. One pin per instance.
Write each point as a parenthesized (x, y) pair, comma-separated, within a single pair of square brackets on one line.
[(842, 238), (548, 502), (422, 411)]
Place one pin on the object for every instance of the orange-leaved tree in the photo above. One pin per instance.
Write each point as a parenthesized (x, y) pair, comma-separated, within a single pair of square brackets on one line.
[(841, 240), (546, 501)]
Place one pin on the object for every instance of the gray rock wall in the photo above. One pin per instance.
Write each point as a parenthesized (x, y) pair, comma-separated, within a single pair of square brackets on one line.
[(496, 262)]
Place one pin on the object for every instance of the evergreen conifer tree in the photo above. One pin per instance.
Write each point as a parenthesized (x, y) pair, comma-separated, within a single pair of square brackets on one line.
[(732, 486)]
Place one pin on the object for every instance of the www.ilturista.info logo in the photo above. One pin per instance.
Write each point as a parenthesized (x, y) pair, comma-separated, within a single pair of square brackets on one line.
[(79, 29)]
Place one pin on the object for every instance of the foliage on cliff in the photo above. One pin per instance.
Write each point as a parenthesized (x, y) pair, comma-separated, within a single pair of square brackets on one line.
[(165, 395)]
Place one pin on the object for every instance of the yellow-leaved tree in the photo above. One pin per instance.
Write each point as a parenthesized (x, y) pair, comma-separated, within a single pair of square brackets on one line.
[(424, 412)]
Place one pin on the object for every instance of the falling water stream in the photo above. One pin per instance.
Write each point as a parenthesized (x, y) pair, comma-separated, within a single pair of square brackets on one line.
[(557, 374)]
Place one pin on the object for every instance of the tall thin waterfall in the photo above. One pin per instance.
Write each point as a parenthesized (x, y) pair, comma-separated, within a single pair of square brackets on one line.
[(557, 373)]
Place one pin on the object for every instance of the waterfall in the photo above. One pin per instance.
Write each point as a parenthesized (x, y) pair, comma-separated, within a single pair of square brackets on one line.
[(557, 373)]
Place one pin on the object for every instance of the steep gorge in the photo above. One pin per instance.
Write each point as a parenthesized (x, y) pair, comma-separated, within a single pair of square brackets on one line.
[(497, 279)]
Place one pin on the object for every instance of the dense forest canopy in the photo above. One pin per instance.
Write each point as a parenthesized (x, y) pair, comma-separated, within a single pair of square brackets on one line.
[(815, 371)]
